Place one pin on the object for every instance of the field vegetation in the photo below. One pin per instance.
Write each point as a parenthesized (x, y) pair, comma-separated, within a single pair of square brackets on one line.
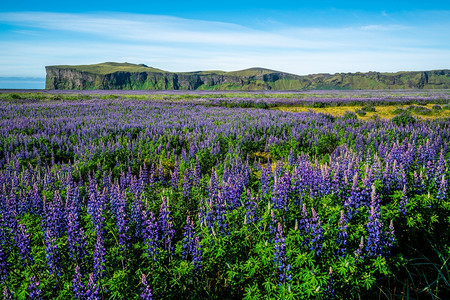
[(224, 195)]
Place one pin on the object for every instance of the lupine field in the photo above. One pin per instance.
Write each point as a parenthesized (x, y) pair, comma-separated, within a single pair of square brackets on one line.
[(114, 196)]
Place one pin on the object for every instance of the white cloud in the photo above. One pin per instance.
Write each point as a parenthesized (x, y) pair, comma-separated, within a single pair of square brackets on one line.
[(175, 44)]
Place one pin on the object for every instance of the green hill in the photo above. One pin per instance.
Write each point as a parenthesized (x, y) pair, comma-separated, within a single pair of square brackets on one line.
[(127, 76)]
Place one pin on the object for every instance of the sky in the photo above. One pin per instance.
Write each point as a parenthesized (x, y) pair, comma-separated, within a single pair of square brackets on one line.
[(300, 37)]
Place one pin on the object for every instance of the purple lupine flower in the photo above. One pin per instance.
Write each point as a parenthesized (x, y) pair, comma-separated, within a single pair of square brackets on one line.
[(281, 191), (152, 175), (146, 293), (22, 241), (150, 234), (161, 177), (418, 183), (304, 221), (443, 186), (4, 266), (175, 177), (36, 200), (266, 177), (221, 215), (197, 254), (166, 226), (143, 175), (55, 216), (359, 252), (92, 289), (76, 238), (316, 231), (356, 198), (122, 221), (187, 183), (7, 294), (78, 288), (330, 293), (342, 235), (251, 208), (403, 202), (374, 226), (280, 256), (52, 253), (33, 289), (137, 217), (272, 225), (96, 207), (390, 238), (188, 241), (99, 256), (197, 172)]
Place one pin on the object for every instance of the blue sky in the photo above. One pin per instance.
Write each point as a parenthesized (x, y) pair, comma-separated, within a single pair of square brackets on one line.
[(300, 37)]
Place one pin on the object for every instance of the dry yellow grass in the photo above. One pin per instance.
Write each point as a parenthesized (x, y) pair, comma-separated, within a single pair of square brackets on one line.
[(385, 112)]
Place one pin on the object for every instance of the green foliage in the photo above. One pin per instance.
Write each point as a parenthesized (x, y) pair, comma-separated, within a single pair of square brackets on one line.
[(349, 115), (437, 107), (368, 108), (360, 112), (404, 119)]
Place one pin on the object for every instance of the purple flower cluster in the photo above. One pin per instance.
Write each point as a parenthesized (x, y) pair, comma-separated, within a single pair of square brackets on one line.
[(23, 243), (78, 288), (166, 226), (34, 292), (150, 234), (99, 256), (282, 266), (146, 291), (342, 235), (52, 253)]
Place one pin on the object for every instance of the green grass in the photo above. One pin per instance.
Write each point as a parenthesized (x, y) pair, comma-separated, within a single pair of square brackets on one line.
[(110, 67)]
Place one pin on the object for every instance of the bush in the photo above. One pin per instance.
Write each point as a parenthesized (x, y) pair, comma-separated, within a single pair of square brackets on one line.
[(262, 105), (420, 110), (349, 115), (360, 112), (446, 106), (368, 108), (318, 105), (326, 144), (404, 119), (399, 110), (437, 107)]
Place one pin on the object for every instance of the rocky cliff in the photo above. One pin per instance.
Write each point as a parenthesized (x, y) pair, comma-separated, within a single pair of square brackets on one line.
[(124, 76)]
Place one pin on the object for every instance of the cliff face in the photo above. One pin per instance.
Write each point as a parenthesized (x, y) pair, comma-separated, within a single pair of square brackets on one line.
[(75, 77)]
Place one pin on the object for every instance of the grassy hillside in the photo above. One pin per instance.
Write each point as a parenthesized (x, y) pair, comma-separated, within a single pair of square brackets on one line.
[(112, 75), (109, 68)]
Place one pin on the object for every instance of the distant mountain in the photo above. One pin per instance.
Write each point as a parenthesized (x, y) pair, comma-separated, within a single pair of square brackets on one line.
[(126, 76)]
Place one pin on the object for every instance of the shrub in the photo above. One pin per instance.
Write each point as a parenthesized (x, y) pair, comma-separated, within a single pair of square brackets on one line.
[(420, 110), (399, 110), (368, 108), (437, 107), (318, 105), (360, 112), (349, 115), (404, 118)]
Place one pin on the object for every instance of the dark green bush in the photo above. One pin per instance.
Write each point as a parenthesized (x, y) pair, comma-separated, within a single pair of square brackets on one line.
[(349, 115), (360, 112), (368, 108), (404, 118)]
